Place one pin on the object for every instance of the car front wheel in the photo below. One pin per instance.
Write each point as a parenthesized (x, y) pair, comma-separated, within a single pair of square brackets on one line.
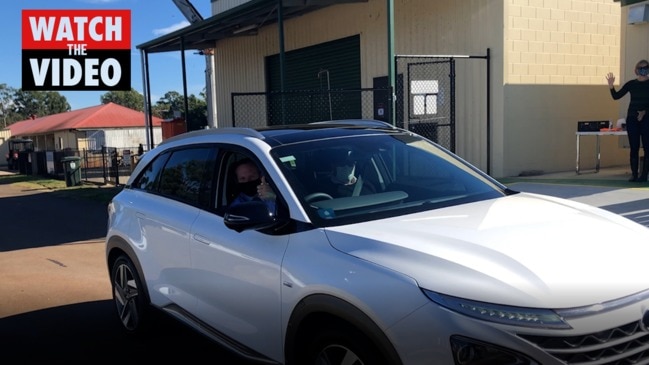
[(130, 300), (342, 346)]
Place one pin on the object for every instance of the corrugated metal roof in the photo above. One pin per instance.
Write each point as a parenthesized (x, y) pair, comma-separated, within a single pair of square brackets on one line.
[(103, 116)]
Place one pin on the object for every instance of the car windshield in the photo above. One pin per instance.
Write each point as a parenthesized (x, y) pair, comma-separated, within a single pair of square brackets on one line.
[(356, 178)]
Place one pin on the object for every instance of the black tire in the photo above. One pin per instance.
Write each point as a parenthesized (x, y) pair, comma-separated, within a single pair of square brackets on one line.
[(131, 303), (341, 345)]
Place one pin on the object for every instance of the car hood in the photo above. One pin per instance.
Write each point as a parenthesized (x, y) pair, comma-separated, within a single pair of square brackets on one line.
[(523, 250)]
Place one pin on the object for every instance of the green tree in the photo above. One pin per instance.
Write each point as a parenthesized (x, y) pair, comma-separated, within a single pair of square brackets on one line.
[(7, 105), (39, 103), (197, 118), (173, 102), (130, 99)]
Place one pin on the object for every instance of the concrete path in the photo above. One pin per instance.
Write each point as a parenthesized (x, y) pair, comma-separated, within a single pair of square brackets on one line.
[(632, 203), (55, 244)]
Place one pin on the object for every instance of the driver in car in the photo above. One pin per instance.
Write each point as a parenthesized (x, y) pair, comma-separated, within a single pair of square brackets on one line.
[(343, 176), (251, 185)]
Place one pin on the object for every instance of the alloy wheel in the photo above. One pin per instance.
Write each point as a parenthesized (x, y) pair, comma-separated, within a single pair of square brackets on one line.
[(125, 294), (338, 355)]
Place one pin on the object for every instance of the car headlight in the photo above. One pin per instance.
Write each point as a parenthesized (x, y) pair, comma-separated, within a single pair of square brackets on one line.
[(467, 351), (515, 316)]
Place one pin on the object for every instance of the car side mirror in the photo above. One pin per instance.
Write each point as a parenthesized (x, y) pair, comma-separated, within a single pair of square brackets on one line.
[(249, 215)]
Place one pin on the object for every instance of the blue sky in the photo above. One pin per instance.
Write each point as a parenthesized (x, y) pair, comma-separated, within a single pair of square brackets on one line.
[(149, 20)]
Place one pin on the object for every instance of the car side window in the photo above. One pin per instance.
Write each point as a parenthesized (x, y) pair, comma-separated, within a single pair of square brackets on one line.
[(228, 189), (188, 174), (149, 178), (229, 183)]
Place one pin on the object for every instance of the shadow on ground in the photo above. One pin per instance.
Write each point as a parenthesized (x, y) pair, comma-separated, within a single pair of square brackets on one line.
[(43, 219), (89, 333)]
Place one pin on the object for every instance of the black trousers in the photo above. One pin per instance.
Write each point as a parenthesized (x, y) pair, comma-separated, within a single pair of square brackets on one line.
[(637, 131)]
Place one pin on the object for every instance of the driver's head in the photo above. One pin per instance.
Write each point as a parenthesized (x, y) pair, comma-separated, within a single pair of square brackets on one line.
[(246, 170), (343, 169), (248, 177)]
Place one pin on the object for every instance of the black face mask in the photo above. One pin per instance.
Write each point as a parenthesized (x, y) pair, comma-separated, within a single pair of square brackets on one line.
[(643, 71), (250, 187)]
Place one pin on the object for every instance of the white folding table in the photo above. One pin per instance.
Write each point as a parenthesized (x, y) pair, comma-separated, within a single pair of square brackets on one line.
[(598, 135)]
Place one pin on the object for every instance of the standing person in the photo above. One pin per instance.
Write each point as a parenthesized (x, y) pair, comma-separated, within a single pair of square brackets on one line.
[(637, 121)]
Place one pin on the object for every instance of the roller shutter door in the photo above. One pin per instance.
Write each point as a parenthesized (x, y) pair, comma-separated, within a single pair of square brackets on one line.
[(322, 82)]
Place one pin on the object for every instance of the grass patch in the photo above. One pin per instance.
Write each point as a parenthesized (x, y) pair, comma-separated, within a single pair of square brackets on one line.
[(33, 181), (99, 193)]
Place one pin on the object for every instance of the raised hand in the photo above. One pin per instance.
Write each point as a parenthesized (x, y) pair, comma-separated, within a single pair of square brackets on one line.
[(264, 191), (610, 78)]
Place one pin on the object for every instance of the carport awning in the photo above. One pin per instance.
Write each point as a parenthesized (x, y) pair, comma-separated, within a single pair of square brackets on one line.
[(237, 21), (628, 2)]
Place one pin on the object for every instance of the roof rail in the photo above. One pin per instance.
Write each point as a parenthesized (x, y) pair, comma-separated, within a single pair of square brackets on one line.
[(206, 132), (358, 122)]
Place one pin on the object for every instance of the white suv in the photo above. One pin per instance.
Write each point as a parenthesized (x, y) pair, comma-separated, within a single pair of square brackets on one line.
[(381, 248)]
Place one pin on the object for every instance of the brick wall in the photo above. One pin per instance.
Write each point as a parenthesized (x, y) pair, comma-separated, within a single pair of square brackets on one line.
[(561, 42)]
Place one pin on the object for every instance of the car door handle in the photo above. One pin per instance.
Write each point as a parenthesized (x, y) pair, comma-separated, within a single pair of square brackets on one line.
[(203, 240)]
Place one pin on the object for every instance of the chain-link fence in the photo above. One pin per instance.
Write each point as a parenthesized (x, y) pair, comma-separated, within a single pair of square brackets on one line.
[(295, 107), (425, 101)]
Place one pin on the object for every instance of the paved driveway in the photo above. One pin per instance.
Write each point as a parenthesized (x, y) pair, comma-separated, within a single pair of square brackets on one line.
[(49, 242), (632, 203), (55, 295)]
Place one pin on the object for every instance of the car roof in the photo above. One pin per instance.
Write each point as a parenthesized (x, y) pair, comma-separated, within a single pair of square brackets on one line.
[(287, 134)]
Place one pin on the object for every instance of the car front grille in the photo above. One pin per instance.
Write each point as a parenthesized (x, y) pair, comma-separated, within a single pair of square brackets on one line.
[(623, 345)]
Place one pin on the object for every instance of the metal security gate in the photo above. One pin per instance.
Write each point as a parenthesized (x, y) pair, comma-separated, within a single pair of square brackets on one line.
[(426, 97), (427, 91), (118, 164)]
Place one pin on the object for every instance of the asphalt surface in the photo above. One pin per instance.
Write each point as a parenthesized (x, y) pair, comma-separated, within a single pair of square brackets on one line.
[(55, 296), (632, 202)]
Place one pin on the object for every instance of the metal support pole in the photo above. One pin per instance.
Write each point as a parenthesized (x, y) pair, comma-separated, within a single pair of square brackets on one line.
[(182, 59), (210, 81), (280, 24), (146, 85), (391, 62), (489, 154)]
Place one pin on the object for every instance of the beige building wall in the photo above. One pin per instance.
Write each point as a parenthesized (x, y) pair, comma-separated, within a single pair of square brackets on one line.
[(460, 28), (68, 140), (557, 53), (441, 27), (548, 61), (240, 60), (634, 47), (561, 42), (4, 146)]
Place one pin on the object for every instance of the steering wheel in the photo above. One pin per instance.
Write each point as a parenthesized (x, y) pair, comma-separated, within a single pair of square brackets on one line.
[(317, 196)]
